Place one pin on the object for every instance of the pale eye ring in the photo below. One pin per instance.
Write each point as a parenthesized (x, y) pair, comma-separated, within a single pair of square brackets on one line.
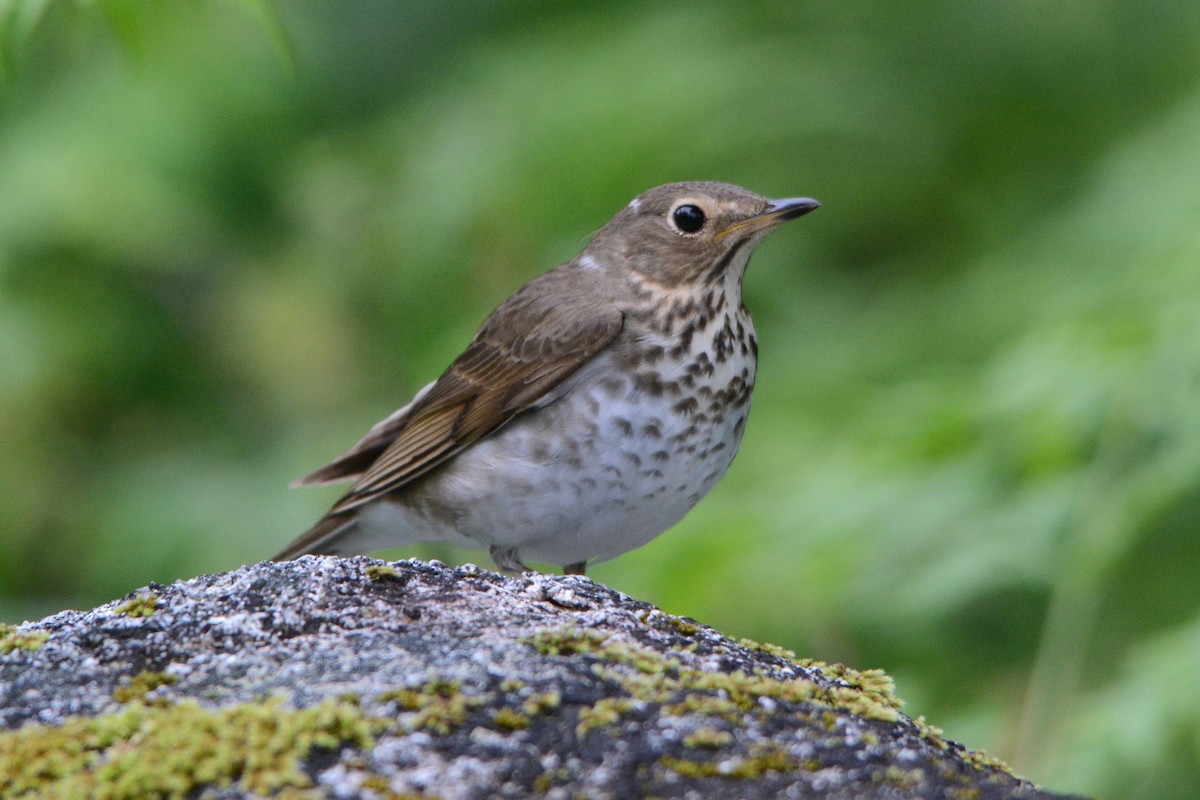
[(688, 218)]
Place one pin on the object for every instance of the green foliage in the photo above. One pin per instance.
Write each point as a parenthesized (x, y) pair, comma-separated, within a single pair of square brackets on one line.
[(974, 457)]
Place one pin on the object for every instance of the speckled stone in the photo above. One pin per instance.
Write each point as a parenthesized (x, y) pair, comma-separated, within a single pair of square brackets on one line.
[(543, 686)]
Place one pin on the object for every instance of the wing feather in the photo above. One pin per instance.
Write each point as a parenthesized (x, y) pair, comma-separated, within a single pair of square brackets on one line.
[(354, 462), (490, 383)]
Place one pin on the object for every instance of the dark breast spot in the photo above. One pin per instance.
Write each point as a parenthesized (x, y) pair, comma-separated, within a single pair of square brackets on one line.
[(613, 385), (686, 434), (686, 406), (649, 382)]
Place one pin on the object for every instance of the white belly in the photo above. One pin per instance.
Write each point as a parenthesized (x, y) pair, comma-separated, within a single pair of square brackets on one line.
[(600, 471)]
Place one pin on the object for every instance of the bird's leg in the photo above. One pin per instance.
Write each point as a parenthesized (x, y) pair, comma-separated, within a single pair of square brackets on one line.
[(578, 568), (507, 560)]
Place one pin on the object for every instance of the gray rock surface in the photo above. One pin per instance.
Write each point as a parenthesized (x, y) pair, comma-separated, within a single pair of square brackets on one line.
[(327, 677)]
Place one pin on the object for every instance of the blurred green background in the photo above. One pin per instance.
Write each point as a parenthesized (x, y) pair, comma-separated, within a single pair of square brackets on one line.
[(235, 235)]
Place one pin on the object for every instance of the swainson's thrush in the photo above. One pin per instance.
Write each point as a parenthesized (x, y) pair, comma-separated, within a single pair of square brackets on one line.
[(593, 408)]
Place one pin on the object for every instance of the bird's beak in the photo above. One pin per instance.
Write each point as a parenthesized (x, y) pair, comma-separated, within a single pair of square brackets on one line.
[(777, 212)]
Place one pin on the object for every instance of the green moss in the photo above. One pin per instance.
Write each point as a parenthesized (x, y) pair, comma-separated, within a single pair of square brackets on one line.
[(142, 605), (681, 625), (572, 641), (542, 703), (980, 760), (707, 737), (144, 750), (828, 721), (766, 759), (867, 694), (381, 572), (142, 684), (550, 778), (706, 705), (171, 752), (929, 731), (904, 779), (861, 703), (681, 690), (931, 734), (566, 641), (438, 706), (744, 691), (381, 787), (768, 648), (13, 639), (606, 711), (512, 685), (506, 719)]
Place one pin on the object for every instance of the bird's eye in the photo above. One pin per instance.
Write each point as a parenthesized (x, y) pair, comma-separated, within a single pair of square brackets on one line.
[(688, 218)]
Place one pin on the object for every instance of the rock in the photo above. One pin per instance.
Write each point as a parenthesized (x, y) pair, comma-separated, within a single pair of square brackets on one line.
[(348, 678)]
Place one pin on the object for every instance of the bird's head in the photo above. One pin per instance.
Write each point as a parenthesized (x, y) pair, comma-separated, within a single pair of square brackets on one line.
[(693, 233)]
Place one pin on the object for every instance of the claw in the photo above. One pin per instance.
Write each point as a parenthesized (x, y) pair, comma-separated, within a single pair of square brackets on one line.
[(507, 560)]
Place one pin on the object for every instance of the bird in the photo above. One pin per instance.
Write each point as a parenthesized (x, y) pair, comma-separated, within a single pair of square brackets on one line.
[(592, 409)]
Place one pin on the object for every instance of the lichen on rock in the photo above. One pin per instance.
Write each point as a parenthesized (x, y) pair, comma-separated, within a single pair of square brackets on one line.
[(358, 678)]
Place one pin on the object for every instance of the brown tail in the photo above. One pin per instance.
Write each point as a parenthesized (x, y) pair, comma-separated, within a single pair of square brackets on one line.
[(320, 539)]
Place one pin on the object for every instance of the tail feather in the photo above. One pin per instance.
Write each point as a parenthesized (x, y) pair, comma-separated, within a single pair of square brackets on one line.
[(358, 459), (320, 539)]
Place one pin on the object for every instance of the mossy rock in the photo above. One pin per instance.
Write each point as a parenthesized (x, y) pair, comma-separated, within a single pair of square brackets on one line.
[(352, 678)]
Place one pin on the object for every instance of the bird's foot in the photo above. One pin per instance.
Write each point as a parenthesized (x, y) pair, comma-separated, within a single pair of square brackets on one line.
[(578, 568), (507, 560)]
